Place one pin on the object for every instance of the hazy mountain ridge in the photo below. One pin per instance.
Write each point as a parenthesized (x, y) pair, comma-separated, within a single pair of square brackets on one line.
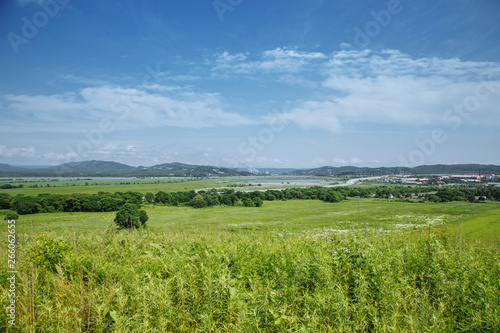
[(114, 169), (8, 167), (437, 169)]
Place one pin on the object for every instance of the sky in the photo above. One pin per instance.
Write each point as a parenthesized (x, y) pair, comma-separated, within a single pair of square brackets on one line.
[(250, 83)]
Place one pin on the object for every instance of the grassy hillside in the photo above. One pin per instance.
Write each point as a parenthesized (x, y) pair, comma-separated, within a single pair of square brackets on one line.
[(282, 267), (484, 226)]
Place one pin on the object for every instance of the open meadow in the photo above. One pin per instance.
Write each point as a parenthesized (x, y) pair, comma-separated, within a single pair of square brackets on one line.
[(33, 186), (289, 266)]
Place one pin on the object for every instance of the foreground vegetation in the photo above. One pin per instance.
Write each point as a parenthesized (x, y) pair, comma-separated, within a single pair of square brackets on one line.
[(248, 283), (286, 266)]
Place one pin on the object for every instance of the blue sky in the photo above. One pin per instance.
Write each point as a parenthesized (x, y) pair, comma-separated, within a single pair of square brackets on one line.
[(250, 83)]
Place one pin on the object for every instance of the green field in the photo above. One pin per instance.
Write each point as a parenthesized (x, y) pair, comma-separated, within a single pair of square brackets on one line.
[(288, 216), (290, 266), (142, 185), (92, 186)]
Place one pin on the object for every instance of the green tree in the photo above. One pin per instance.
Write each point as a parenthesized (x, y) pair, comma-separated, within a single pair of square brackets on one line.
[(162, 197), (5, 201), (25, 205), (198, 202), (257, 202), (247, 202), (149, 197), (131, 216)]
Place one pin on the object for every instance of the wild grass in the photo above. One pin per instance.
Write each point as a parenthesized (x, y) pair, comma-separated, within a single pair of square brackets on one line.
[(276, 216), (288, 277)]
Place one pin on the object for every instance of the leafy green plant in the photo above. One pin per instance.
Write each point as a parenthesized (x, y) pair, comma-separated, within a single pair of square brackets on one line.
[(46, 253), (11, 216), (247, 202)]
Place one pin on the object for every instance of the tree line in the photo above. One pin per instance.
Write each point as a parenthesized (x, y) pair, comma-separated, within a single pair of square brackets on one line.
[(107, 202)]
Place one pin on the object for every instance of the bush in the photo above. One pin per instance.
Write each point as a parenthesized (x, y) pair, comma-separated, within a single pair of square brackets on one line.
[(11, 216), (47, 252), (131, 216)]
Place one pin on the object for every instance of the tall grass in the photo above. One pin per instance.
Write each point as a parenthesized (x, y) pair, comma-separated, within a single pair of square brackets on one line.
[(139, 281)]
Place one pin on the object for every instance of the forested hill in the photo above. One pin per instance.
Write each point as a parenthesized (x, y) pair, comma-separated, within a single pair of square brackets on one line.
[(7, 167), (438, 169), (114, 169), (187, 170)]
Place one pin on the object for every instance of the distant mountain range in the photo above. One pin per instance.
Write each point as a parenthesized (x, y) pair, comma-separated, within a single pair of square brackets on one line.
[(114, 169), (437, 169)]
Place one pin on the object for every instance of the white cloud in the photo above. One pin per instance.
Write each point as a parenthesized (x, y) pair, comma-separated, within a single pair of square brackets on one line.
[(279, 60), (280, 53), (352, 160), (386, 87), (226, 58), (350, 88), (16, 152), (313, 115), (128, 108), (393, 89)]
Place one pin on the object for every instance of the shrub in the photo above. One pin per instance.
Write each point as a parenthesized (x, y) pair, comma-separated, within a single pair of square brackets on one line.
[(131, 216), (11, 216), (47, 252)]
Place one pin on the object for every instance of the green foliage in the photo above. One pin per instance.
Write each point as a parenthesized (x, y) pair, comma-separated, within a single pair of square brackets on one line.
[(105, 202), (25, 205), (247, 202), (11, 216), (131, 216), (46, 253), (258, 202), (149, 197), (198, 202), (5, 201), (264, 282)]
